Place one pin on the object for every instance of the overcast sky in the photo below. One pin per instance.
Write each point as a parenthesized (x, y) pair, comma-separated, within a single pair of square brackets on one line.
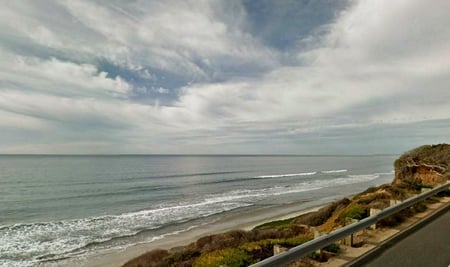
[(224, 77)]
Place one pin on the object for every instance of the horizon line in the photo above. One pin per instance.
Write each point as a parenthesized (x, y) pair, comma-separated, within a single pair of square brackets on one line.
[(200, 154)]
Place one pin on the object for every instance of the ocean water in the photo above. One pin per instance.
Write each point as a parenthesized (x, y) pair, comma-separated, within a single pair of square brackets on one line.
[(59, 207)]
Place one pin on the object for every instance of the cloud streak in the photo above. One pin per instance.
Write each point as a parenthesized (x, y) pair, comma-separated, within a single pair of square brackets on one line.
[(201, 77)]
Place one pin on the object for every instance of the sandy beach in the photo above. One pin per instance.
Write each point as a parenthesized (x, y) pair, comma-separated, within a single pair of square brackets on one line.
[(246, 221), (127, 212), (237, 221)]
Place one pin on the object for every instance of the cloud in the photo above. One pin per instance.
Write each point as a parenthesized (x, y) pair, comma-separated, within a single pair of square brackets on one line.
[(203, 77), (61, 77)]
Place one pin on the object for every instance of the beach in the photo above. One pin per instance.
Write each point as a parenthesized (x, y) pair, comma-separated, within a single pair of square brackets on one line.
[(240, 221), (106, 210)]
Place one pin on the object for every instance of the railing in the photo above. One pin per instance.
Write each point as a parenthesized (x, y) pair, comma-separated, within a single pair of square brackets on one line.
[(327, 239)]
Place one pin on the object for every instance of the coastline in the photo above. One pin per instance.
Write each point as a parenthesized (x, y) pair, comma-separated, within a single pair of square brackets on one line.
[(242, 220)]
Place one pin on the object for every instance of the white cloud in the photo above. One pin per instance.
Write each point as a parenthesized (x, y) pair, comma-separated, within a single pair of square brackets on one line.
[(61, 76), (379, 63), (22, 122), (369, 70)]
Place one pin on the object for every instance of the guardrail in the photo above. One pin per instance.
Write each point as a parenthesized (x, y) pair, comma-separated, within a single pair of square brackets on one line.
[(327, 239)]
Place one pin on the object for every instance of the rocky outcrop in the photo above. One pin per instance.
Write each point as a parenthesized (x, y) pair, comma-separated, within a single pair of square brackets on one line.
[(420, 175), (424, 166)]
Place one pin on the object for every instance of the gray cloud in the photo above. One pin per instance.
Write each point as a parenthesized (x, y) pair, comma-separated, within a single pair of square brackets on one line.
[(211, 77)]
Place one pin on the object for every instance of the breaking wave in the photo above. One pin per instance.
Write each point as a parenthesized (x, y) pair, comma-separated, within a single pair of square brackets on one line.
[(335, 171), (31, 243), (287, 175)]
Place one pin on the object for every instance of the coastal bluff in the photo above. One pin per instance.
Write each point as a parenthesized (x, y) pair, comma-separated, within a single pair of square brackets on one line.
[(422, 167), (425, 166)]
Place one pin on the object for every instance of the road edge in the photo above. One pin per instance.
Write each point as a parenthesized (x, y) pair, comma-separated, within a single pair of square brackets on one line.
[(379, 249)]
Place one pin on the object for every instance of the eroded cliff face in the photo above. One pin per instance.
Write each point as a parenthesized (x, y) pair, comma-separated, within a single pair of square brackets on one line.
[(423, 166), (420, 175)]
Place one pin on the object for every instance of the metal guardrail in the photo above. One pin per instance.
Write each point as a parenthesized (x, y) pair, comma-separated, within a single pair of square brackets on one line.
[(327, 239)]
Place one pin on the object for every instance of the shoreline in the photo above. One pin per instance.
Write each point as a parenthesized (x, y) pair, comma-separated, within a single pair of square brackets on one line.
[(242, 220)]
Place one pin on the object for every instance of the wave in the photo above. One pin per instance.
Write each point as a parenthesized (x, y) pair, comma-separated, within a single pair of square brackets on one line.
[(232, 180), (287, 175), (184, 175), (334, 171), (41, 241), (364, 176), (386, 173), (126, 191)]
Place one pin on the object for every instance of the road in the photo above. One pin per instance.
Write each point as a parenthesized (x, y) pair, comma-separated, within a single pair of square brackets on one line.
[(428, 246)]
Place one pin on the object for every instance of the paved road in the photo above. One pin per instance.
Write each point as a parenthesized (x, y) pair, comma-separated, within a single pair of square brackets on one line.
[(429, 246)]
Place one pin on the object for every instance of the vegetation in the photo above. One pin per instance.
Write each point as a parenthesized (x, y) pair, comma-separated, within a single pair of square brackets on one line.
[(401, 216), (276, 224), (353, 211), (321, 216), (445, 193), (242, 248), (230, 257), (428, 154), (333, 248), (434, 158)]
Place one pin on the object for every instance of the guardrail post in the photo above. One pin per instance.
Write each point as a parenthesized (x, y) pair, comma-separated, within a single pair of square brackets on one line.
[(349, 240), (393, 202), (317, 234), (277, 249), (302, 250), (373, 212), (424, 189)]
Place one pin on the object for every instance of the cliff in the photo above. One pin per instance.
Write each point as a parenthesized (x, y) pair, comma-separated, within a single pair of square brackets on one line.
[(425, 166)]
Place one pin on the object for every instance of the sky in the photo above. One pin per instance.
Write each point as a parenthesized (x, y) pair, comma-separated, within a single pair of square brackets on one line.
[(223, 77)]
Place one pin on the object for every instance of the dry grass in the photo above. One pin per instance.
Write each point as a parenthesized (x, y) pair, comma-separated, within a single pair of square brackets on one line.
[(258, 243)]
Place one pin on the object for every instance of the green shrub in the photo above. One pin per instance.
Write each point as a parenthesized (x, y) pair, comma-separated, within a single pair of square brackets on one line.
[(294, 241), (285, 242), (258, 245), (276, 224), (185, 255), (392, 220), (420, 207), (354, 211), (230, 257), (314, 256), (333, 248), (262, 249), (445, 193), (259, 250), (322, 215)]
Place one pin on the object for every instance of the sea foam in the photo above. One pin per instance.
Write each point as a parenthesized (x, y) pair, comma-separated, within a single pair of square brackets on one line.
[(28, 244), (287, 175), (335, 171)]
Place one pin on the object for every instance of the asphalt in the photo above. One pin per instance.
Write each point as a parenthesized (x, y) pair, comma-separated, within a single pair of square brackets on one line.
[(429, 246)]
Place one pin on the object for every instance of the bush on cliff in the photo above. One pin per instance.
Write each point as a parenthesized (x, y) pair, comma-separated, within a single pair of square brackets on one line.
[(241, 248), (423, 166), (353, 211), (321, 216), (427, 154), (231, 257)]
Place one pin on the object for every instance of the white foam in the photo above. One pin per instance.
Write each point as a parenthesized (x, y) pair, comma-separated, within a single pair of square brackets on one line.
[(386, 173), (364, 177), (28, 242), (335, 171), (287, 175)]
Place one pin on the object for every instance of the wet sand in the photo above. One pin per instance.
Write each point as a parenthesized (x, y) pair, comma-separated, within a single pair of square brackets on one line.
[(237, 221)]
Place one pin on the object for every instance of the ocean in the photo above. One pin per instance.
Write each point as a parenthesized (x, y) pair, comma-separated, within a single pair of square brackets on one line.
[(54, 208)]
